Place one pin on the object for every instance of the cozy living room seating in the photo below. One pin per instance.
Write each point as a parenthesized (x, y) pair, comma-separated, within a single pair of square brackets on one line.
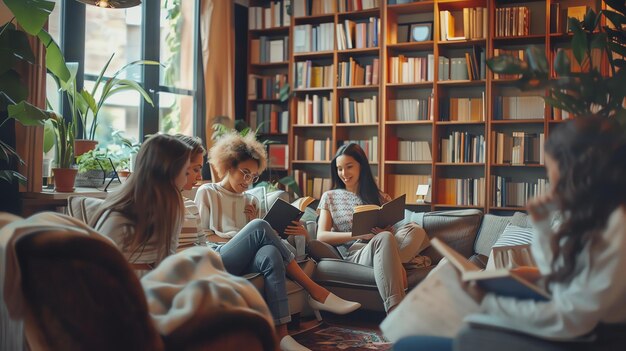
[(81, 294), (467, 231), (84, 208)]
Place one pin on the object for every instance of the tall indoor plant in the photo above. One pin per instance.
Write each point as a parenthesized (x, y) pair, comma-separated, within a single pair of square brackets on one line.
[(87, 104), (15, 49), (585, 93)]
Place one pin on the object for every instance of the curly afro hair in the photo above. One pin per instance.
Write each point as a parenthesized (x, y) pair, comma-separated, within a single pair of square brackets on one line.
[(232, 149)]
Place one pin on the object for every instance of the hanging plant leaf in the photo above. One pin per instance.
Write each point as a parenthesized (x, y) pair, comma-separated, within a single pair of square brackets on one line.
[(55, 61), (48, 136), (28, 114), (579, 40), (30, 14), (12, 86), (562, 63), (506, 64), (9, 176), (14, 46), (618, 5)]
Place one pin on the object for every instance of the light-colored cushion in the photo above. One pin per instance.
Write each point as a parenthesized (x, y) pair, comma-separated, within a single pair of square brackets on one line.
[(512, 249), (514, 235), (457, 228), (490, 230)]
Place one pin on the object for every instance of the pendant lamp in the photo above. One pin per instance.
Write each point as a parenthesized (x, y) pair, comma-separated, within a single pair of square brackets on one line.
[(112, 4)]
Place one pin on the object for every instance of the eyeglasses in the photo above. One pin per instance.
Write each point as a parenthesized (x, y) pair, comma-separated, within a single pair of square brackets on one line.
[(249, 177)]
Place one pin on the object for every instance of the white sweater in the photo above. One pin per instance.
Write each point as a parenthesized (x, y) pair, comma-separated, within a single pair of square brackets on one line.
[(596, 294), (222, 211)]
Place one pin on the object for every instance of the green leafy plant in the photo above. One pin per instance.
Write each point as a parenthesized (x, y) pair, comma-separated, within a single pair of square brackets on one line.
[(583, 93), (96, 160), (15, 49), (88, 104)]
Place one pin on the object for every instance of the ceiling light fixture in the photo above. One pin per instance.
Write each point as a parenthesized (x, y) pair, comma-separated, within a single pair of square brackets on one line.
[(112, 4)]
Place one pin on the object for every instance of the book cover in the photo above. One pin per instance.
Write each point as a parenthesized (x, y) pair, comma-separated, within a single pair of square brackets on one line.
[(500, 281), (281, 215), (367, 217)]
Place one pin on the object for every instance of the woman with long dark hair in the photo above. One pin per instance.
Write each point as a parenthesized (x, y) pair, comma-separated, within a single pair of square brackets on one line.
[(582, 257), (385, 249)]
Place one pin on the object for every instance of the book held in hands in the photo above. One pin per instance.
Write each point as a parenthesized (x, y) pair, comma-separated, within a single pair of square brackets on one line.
[(282, 214), (368, 217), (498, 281)]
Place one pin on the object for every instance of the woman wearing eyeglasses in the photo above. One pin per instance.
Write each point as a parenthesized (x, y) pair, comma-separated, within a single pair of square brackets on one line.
[(254, 247)]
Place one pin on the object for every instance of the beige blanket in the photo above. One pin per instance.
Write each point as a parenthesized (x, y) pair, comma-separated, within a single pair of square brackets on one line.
[(194, 282)]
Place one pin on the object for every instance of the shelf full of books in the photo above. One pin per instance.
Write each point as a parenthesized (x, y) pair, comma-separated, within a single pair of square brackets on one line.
[(408, 81)]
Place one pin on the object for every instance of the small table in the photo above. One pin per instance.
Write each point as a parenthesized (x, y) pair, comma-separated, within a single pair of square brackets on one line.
[(50, 200)]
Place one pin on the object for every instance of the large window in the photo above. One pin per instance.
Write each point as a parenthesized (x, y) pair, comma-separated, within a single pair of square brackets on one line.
[(164, 31), (54, 28), (178, 54), (114, 32)]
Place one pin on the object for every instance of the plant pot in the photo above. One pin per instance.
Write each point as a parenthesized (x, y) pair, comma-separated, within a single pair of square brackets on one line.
[(83, 145), (123, 173), (90, 179), (64, 179)]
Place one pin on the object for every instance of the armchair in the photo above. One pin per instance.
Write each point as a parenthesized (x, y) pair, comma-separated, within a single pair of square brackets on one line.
[(77, 292)]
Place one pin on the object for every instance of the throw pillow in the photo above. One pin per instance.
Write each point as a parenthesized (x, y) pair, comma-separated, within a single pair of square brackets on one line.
[(512, 249), (514, 235)]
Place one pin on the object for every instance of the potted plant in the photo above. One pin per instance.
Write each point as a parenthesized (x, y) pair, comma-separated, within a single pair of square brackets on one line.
[(64, 173), (87, 104), (94, 166), (129, 151), (588, 92)]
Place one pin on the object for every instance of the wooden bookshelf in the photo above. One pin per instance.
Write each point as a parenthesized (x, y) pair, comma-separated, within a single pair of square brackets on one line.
[(437, 93)]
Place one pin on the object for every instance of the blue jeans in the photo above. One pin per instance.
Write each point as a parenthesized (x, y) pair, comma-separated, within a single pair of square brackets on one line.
[(258, 249)]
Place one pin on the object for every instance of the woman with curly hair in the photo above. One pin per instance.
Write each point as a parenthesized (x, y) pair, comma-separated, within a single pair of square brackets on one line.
[(253, 245), (582, 258)]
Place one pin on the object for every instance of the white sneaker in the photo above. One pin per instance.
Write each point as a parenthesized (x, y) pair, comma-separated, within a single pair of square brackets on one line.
[(288, 343), (334, 304)]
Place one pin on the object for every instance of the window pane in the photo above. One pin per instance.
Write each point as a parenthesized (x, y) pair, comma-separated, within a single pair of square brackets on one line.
[(177, 43), (54, 28), (175, 113), (111, 31), (120, 112)]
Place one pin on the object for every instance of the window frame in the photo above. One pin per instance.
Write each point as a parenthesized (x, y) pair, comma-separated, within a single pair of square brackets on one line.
[(72, 42)]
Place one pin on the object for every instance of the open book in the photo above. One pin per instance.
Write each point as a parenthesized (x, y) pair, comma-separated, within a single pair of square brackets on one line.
[(367, 217), (498, 281), (282, 213)]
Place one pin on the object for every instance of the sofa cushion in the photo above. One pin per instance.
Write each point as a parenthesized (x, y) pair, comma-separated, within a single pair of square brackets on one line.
[(490, 229), (514, 235), (521, 219), (456, 228)]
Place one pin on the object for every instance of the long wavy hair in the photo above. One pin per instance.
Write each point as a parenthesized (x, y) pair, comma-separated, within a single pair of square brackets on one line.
[(150, 197), (368, 190), (591, 156)]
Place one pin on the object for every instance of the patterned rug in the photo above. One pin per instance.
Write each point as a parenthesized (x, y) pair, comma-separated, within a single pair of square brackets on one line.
[(326, 337)]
